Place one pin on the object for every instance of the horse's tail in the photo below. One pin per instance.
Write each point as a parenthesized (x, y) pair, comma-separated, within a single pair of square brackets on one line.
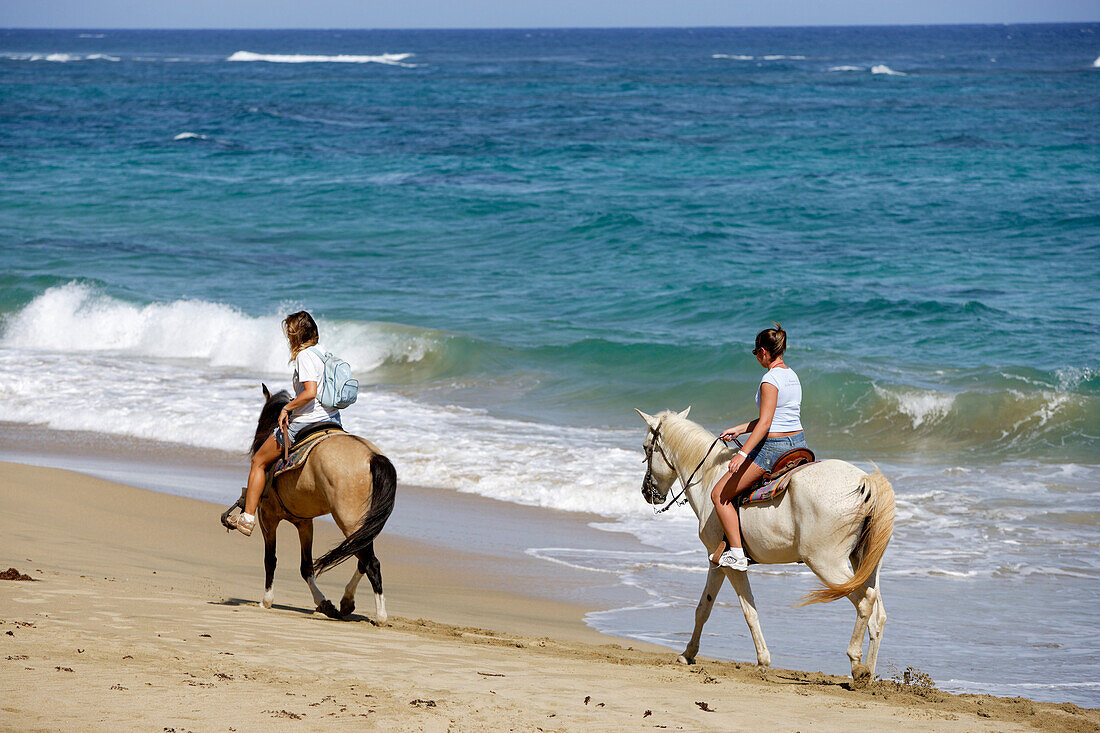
[(384, 491), (878, 526)]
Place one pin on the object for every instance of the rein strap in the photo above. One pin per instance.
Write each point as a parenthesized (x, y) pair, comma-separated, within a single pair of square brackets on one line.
[(680, 498)]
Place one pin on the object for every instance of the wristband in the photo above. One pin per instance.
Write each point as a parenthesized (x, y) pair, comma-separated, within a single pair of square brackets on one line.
[(743, 454)]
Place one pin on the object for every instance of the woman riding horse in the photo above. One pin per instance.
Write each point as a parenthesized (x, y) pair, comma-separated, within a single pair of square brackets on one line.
[(777, 430), (304, 410)]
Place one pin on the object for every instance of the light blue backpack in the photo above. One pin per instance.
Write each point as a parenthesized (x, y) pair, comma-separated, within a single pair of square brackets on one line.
[(337, 389)]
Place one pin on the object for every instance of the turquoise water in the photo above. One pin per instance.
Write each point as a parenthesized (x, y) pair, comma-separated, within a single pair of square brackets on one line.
[(518, 236)]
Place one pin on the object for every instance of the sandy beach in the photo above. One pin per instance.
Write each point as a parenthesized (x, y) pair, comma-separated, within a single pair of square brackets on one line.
[(144, 614)]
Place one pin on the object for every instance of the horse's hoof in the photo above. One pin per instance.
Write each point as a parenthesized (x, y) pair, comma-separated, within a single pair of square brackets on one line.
[(763, 661), (346, 607), (266, 602), (861, 674), (328, 609), (682, 659)]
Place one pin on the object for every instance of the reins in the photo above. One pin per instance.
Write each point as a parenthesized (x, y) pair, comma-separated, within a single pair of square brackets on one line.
[(680, 498)]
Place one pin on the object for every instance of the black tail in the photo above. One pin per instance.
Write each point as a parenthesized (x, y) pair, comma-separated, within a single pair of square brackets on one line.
[(384, 486)]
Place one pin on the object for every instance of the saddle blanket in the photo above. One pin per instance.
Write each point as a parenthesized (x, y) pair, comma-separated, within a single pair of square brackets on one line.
[(300, 451), (772, 489)]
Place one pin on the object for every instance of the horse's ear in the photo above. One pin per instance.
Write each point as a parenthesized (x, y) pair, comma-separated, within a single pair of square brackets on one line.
[(685, 412), (267, 392), (649, 419)]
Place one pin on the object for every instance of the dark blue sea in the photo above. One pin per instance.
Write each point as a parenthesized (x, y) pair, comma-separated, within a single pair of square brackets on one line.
[(516, 237)]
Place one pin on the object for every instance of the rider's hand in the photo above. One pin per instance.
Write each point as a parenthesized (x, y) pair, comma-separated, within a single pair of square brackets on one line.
[(728, 435), (736, 462), (284, 420)]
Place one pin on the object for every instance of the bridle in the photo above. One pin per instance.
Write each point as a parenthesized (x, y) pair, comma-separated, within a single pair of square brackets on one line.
[(649, 485)]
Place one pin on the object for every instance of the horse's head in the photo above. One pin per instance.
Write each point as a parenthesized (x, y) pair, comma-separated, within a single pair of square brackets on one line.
[(660, 474), (269, 416)]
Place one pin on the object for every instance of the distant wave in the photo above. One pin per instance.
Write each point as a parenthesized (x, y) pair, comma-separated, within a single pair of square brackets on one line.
[(846, 68), (884, 69), (1096, 63), (189, 136), (392, 59), (60, 58), (91, 35), (768, 57)]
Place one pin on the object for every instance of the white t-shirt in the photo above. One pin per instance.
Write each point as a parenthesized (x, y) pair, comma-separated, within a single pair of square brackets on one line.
[(788, 406), (310, 367)]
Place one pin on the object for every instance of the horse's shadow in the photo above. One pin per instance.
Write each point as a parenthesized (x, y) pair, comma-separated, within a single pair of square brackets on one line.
[(302, 610)]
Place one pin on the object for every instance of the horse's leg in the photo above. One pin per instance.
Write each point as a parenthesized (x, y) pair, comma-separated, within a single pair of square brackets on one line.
[(267, 529), (833, 571), (305, 536), (347, 603), (877, 624), (702, 613), (373, 569), (740, 582)]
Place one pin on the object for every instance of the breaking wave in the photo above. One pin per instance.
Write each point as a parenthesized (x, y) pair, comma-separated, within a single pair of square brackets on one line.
[(391, 59), (886, 70)]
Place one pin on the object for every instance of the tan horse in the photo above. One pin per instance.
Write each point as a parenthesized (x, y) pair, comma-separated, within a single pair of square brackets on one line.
[(345, 476)]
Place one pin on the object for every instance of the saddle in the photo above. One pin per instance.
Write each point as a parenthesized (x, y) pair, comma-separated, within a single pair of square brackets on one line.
[(775, 482), (303, 445)]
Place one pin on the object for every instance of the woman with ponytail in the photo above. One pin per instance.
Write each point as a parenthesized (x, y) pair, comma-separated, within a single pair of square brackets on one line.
[(304, 410), (777, 430)]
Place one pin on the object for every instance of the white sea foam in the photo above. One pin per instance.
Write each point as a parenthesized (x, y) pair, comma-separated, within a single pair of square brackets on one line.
[(60, 58), (189, 136), (1096, 63), (393, 59), (91, 35), (779, 56), (846, 68), (884, 69), (189, 371), (734, 57)]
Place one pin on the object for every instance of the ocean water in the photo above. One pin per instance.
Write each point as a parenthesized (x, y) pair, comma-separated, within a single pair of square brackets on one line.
[(516, 237)]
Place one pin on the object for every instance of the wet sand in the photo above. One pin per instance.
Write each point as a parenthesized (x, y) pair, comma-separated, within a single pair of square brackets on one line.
[(145, 614)]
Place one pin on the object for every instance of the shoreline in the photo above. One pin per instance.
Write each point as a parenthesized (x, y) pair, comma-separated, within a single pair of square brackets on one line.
[(140, 617)]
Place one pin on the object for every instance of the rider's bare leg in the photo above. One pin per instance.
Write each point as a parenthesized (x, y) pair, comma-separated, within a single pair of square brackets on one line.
[(257, 474), (723, 494)]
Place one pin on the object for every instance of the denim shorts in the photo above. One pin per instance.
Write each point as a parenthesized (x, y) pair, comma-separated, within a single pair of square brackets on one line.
[(297, 427), (770, 449)]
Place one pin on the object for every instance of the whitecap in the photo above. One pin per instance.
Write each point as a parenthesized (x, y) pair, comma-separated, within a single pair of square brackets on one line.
[(189, 136), (845, 68), (392, 59), (1096, 63), (779, 57), (60, 58), (884, 69), (920, 406), (735, 57), (90, 35)]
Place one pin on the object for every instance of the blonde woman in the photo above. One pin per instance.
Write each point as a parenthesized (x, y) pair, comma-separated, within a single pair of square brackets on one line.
[(777, 430), (306, 356)]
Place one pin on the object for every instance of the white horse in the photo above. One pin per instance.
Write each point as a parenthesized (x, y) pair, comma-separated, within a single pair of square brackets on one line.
[(831, 514)]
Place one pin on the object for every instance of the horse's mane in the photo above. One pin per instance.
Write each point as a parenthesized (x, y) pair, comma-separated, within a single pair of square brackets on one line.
[(269, 419), (687, 439)]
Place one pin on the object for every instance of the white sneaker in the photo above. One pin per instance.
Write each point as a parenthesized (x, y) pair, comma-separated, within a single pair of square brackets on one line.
[(729, 560)]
